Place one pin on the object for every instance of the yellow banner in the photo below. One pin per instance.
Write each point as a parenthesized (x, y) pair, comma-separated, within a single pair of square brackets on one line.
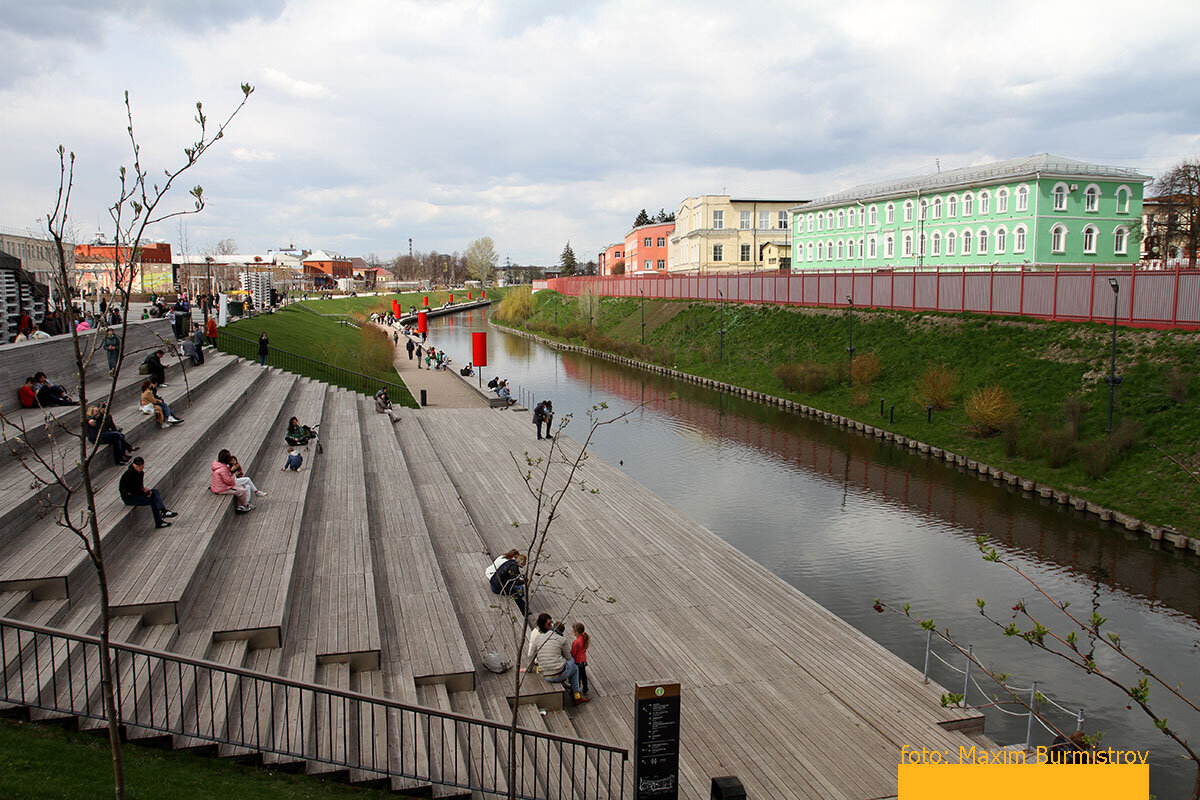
[(1024, 781)]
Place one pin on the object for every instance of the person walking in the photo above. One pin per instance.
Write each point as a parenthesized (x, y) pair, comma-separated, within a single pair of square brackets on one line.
[(395, 338), (410, 347), (134, 493), (262, 349), (112, 349), (198, 341), (210, 331), (419, 356)]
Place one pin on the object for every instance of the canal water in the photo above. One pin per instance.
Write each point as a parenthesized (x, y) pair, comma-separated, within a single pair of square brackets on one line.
[(845, 519)]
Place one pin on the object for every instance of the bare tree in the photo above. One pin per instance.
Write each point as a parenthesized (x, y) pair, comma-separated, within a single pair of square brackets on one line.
[(1072, 637), (226, 247), (1178, 218), (548, 479), (53, 470)]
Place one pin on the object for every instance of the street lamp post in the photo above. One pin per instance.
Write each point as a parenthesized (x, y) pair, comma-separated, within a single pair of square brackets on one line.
[(721, 297), (850, 349), (1114, 379), (643, 291), (208, 286)]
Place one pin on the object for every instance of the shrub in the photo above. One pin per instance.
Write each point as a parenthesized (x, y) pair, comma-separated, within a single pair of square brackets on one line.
[(1011, 431), (516, 306), (809, 376), (1075, 408), (860, 395), (1125, 436), (937, 386), (575, 330), (989, 408), (1177, 385), (1096, 457), (1058, 445), (375, 353), (865, 369)]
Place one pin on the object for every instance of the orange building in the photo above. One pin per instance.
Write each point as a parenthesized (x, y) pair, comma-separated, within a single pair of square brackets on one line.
[(610, 257), (153, 272), (646, 248), (324, 267)]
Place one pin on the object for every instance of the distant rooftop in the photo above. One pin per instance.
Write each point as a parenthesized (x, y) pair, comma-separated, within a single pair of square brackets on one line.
[(1028, 166)]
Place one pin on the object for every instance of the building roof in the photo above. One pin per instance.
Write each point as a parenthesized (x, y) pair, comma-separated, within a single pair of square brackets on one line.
[(326, 255), (1027, 166)]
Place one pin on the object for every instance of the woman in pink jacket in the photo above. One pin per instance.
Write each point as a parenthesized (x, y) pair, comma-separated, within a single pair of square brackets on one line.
[(223, 482)]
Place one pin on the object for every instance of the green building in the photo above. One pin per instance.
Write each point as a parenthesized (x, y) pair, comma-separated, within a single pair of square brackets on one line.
[(1042, 210)]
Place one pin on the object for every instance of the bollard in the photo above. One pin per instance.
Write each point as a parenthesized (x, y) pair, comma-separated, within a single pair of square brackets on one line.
[(727, 787), (881, 406), (929, 413), (892, 414), (424, 398)]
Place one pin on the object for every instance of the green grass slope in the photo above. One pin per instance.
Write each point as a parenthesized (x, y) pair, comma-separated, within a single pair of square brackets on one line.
[(1046, 367)]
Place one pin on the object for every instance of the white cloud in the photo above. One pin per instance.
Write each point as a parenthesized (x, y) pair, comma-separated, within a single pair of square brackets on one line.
[(375, 121)]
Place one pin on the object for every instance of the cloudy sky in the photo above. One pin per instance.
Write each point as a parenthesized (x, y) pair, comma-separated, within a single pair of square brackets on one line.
[(535, 123)]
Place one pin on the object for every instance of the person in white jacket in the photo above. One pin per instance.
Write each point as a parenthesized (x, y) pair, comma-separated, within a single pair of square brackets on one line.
[(551, 654)]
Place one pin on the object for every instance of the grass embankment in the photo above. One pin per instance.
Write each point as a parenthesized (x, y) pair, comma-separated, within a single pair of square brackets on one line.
[(47, 761), (1051, 375), (382, 304)]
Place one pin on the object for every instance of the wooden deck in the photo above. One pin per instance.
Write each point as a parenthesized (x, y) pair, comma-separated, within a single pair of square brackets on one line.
[(776, 689)]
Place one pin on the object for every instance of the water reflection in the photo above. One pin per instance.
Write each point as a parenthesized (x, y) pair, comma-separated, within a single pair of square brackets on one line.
[(844, 518)]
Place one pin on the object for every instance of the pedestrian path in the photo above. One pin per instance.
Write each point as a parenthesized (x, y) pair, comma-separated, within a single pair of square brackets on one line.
[(443, 389)]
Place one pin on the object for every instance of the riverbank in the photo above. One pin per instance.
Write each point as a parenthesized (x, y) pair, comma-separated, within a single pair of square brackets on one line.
[(1053, 372)]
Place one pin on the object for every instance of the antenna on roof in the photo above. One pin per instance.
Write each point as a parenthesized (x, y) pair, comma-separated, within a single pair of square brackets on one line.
[(938, 162)]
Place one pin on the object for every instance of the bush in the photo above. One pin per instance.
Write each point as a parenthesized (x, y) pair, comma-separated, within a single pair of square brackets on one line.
[(989, 408), (1177, 385), (1011, 431), (860, 395), (375, 353), (1058, 445), (1096, 457), (809, 377), (1125, 436), (516, 306), (575, 330), (1075, 408), (937, 386), (865, 369)]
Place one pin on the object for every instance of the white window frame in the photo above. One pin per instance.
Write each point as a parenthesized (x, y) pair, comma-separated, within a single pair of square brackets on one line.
[(820, 222), (646, 240), (982, 242), (660, 264), (829, 249), (1093, 233), (1058, 239), (935, 247), (889, 246), (810, 251), (829, 220), (783, 220), (872, 247), (951, 241), (841, 249), (718, 252), (1019, 239), (841, 218), (661, 241), (1059, 193), (907, 244), (1124, 195), (1002, 201), (908, 210), (1121, 241), (936, 207), (966, 242), (718, 220), (889, 215), (745, 220), (1022, 198), (874, 215), (968, 204), (923, 209), (850, 249), (1001, 240), (820, 251), (921, 240), (809, 224), (985, 202), (1091, 198), (952, 206), (764, 220), (646, 263)]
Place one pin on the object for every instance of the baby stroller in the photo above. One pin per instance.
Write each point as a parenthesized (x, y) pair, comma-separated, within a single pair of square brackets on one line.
[(310, 434)]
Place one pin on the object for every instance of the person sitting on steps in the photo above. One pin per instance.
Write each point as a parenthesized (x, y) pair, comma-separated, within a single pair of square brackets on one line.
[(101, 428), (134, 493), (383, 405), (551, 654), (49, 394), (223, 482), (298, 435), (153, 404), (294, 460), (504, 576), (154, 367), (242, 479), (27, 394)]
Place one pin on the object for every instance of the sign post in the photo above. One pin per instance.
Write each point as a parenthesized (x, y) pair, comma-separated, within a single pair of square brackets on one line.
[(656, 741)]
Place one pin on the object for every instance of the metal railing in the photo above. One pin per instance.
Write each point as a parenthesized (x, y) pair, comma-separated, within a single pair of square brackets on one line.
[(204, 702), (303, 365), (1035, 703)]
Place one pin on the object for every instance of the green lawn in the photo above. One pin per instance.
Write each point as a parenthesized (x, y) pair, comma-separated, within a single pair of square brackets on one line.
[(383, 303), (49, 761), (326, 340), (1039, 363)]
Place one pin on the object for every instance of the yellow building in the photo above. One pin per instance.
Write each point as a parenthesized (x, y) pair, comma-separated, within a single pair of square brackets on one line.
[(776, 255), (717, 233)]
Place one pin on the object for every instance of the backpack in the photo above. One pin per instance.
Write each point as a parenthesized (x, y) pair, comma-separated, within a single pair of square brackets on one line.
[(494, 662), (539, 413)]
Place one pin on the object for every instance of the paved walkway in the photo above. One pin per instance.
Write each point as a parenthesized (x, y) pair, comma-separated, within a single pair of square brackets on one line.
[(443, 389)]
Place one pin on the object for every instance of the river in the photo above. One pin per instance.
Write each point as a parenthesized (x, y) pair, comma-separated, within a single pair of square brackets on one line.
[(845, 519)]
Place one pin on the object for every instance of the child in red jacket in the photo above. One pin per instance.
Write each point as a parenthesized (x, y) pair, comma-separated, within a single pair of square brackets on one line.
[(579, 649)]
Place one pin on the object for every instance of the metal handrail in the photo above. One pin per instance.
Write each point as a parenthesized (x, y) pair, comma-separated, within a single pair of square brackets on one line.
[(206, 701), (348, 378)]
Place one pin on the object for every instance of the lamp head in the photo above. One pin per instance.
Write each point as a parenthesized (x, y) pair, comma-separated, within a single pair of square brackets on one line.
[(1116, 287), (849, 301)]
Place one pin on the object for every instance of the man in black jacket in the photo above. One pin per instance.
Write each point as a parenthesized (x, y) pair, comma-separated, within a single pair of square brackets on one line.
[(155, 368), (134, 493), (410, 347)]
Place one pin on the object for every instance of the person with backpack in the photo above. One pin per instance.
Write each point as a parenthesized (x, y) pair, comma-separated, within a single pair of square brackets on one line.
[(504, 576), (543, 413)]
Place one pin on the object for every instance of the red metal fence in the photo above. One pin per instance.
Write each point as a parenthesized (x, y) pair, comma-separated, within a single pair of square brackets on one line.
[(1146, 298)]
